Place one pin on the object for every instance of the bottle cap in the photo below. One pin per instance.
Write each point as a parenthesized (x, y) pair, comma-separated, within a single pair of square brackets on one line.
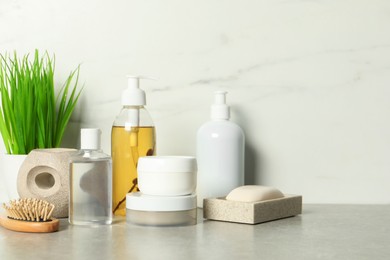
[(90, 138), (219, 110)]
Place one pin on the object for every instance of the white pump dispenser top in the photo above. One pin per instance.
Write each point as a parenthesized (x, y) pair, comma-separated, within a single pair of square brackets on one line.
[(219, 110), (133, 95)]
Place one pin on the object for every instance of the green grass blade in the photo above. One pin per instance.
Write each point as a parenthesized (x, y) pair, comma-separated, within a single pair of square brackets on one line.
[(67, 104), (31, 116)]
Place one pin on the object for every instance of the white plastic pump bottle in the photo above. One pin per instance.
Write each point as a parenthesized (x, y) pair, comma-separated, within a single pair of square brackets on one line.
[(220, 153)]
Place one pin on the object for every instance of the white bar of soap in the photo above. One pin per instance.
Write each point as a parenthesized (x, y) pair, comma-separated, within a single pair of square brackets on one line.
[(253, 193)]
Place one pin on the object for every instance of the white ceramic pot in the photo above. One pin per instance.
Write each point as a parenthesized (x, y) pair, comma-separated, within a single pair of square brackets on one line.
[(9, 169)]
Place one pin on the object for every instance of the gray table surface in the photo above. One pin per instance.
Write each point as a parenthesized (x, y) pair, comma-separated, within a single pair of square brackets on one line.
[(321, 232)]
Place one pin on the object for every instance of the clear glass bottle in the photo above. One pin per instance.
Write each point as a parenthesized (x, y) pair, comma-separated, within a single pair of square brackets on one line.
[(90, 201), (132, 136)]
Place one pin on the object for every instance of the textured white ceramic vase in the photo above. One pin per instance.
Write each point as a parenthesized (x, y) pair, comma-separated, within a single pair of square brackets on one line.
[(44, 175)]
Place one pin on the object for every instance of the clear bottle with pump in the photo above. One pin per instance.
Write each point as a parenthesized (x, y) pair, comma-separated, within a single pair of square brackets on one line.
[(220, 153), (132, 136), (90, 201)]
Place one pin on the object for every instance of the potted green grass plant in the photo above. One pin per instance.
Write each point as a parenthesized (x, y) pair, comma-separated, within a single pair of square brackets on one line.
[(32, 114)]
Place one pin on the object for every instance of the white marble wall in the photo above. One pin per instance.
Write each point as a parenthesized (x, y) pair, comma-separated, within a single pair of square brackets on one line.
[(308, 81)]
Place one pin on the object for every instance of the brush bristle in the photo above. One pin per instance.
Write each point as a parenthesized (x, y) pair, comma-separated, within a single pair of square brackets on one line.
[(29, 209)]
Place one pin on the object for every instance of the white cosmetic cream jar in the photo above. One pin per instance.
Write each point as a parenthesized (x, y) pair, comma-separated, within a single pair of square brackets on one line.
[(167, 175), (147, 210)]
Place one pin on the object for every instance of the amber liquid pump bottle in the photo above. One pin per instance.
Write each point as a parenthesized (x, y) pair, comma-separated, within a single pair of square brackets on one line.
[(132, 136)]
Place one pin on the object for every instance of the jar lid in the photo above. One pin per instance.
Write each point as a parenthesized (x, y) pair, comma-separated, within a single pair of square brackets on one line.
[(139, 201), (167, 164)]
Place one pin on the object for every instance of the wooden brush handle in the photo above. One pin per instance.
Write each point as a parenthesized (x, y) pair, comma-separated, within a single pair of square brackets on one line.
[(31, 227)]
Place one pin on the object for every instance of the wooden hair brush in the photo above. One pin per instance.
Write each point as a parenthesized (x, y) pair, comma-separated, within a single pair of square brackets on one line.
[(29, 215)]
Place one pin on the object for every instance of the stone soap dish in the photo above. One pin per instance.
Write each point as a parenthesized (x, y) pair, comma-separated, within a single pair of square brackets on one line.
[(252, 205)]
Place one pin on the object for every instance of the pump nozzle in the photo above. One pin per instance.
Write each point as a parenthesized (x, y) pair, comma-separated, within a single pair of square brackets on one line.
[(220, 97), (132, 82), (133, 95), (219, 110)]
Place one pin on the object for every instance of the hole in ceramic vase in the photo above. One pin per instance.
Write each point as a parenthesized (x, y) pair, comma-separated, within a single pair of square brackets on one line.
[(44, 180)]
